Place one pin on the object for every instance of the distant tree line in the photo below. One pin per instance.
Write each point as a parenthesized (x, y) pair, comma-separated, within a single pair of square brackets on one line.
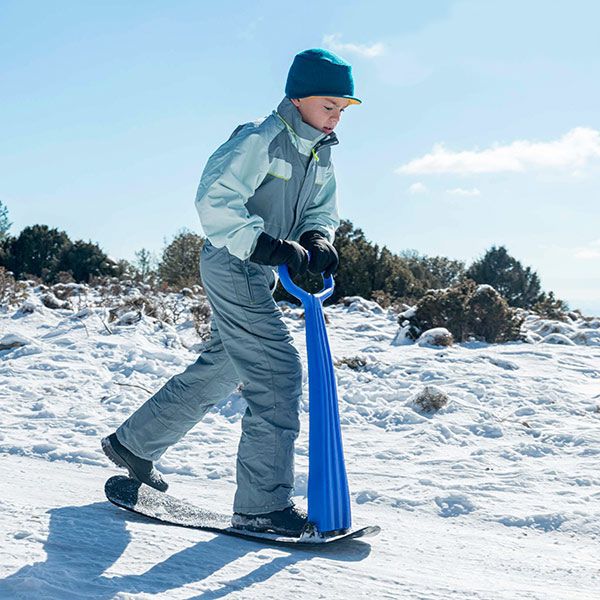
[(50, 255), (366, 269)]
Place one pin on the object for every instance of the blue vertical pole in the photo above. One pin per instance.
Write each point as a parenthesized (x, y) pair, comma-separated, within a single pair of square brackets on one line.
[(328, 494)]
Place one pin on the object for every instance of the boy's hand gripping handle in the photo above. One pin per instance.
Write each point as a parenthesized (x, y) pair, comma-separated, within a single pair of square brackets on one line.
[(298, 292)]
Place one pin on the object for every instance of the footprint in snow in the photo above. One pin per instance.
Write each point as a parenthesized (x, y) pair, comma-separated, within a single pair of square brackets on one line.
[(454, 505), (547, 523), (366, 496), (502, 364)]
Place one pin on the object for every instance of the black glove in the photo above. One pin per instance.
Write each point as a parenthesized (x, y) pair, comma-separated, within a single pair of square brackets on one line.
[(270, 251), (323, 256)]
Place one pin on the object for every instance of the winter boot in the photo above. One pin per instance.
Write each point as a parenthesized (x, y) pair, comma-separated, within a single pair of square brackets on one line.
[(139, 468), (289, 521)]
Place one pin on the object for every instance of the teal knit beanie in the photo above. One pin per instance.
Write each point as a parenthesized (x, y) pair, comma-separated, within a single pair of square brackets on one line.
[(318, 72)]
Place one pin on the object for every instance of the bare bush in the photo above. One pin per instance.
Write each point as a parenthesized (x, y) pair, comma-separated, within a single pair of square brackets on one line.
[(138, 305), (468, 311), (201, 314), (356, 363), (49, 300), (12, 292), (430, 399)]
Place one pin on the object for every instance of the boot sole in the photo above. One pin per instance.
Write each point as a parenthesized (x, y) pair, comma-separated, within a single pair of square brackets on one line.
[(118, 460), (268, 530)]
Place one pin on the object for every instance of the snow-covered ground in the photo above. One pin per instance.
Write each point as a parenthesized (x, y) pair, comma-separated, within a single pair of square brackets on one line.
[(495, 496)]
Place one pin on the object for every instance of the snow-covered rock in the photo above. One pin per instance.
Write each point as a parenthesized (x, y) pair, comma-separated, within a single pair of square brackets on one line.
[(402, 337), (557, 338), (13, 340), (357, 303), (438, 336), (29, 306), (580, 331), (49, 300), (407, 314)]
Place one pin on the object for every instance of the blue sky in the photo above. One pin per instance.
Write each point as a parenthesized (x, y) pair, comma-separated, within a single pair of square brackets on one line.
[(480, 123)]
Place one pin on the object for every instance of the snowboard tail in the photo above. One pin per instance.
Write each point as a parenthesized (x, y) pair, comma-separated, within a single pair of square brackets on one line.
[(139, 498)]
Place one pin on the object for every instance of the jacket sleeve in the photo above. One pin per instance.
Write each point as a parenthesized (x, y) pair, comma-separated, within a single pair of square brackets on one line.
[(230, 177), (322, 214)]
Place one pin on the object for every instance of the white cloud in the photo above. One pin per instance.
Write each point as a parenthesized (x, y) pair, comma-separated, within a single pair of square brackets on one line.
[(463, 192), (417, 188), (249, 31), (589, 252), (333, 42), (573, 150)]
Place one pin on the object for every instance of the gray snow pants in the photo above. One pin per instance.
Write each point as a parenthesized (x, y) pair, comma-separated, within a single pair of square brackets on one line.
[(249, 344)]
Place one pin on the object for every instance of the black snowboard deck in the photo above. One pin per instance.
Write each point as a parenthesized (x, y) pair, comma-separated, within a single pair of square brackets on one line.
[(139, 498)]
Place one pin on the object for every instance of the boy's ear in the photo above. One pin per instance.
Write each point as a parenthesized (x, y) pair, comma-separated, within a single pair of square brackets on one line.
[(295, 102)]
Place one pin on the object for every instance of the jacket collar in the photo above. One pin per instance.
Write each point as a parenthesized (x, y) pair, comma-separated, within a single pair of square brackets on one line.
[(304, 136)]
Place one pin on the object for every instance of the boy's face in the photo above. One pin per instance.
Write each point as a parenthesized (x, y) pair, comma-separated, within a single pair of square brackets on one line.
[(321, 112)]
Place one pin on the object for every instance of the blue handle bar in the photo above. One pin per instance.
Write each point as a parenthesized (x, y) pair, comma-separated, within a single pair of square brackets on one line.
[(303, 295), (328, 494)]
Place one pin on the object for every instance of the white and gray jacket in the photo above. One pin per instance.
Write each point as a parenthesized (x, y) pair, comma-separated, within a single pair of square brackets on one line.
[(273, 175)]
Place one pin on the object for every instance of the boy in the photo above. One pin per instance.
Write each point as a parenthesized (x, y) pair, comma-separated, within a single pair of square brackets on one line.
[(270, 184)]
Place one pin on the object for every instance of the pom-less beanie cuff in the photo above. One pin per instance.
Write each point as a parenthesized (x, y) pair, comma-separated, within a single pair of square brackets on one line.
[(318, 72)]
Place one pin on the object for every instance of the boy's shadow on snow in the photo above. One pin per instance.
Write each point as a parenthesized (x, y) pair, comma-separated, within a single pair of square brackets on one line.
[(84, 541)]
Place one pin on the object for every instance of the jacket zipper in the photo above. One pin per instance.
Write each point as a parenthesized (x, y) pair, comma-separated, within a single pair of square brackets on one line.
[(327, 141)]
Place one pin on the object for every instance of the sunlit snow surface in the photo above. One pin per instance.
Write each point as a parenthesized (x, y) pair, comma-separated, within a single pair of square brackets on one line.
[(496, 495)]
